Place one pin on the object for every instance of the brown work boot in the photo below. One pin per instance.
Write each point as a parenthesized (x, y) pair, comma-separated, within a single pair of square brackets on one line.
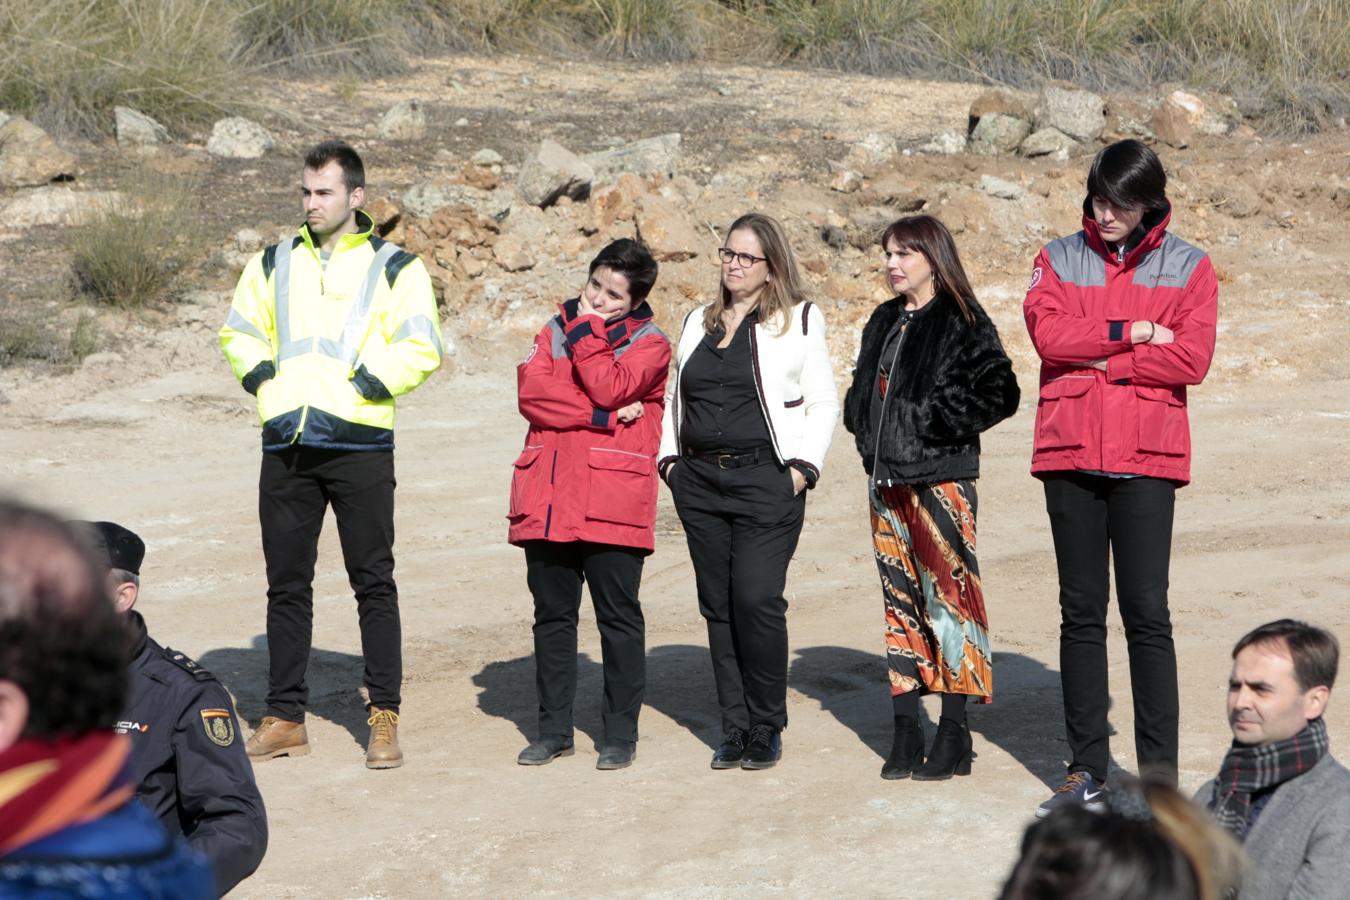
[(277, 737), (383, 752)]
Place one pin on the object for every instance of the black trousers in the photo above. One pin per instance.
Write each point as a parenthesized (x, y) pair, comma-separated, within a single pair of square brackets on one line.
[(742, 525), (295, 488), (1130, 519), (555, 572)]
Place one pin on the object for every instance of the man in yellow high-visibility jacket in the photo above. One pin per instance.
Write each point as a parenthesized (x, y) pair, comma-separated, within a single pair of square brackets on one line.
[(326, 329)]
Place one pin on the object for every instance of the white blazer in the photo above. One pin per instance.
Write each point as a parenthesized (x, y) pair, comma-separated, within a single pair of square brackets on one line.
[(794, 378)]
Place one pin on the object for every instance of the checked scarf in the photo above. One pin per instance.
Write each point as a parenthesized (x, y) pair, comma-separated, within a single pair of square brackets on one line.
[(1248, 770), (46, 786)]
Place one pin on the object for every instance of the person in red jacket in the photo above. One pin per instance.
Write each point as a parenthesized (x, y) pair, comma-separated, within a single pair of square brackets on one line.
[(583, 494), (1123, 316)]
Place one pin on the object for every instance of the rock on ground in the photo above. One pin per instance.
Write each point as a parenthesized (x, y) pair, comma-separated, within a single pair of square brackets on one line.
[(647, 158), (996, 133), (1079, 114), (666, 230), (1049, 142), (239, 138), (874, 149), (29, 157), (406, 121), (553, 171), (1172, 125), (55, 205), (1000, 101), (997, 187), (946, 143), (136, 129)]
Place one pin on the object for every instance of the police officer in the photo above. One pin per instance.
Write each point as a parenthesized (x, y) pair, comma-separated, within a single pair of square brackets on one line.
[(189, 758)]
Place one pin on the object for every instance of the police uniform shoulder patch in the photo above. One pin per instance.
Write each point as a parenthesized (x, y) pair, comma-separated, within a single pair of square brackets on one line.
[(219, 726), (187, 664)]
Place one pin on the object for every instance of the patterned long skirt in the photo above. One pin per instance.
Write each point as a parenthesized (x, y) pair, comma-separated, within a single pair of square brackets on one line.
[(937, 633)]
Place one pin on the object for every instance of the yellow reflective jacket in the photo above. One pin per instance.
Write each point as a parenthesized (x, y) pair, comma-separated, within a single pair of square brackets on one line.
[(326, 349)]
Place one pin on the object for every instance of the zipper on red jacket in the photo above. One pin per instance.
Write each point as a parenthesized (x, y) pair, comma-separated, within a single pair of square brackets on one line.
[(552, 472)]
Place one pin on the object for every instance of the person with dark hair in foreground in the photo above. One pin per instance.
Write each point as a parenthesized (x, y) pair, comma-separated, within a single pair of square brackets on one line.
[(1123, 315), (188, 755), (931, 376), (583, 493), (70, 825), (1146, 842), (326, 329), (1279, 790)]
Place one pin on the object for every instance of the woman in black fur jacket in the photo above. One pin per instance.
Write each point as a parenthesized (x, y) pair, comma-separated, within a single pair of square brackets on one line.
[(931, 375)]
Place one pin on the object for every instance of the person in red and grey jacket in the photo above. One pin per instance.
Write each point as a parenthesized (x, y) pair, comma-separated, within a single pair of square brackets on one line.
[(1123, 315), (583, 493)]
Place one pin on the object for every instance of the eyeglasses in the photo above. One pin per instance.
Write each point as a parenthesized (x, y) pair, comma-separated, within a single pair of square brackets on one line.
[(745, 259)]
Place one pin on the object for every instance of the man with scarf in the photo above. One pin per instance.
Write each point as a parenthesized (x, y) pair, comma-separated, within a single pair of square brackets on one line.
[(70, 824), (1279, 790)]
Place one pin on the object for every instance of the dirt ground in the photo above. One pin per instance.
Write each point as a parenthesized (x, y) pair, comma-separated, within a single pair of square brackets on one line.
[(157, 436)]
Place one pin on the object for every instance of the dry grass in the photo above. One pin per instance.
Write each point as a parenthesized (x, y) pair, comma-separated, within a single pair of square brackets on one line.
[(182, 61), (129, 253), (33, 334)]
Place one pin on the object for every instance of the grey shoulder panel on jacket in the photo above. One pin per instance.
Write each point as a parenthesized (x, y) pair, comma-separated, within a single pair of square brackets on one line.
[(1075, 262), (1171, 265)]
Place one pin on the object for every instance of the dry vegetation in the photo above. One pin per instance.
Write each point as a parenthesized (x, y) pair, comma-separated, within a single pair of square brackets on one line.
[(69, 61)]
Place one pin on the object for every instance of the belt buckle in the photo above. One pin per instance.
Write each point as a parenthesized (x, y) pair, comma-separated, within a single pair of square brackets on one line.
[(724, 460)]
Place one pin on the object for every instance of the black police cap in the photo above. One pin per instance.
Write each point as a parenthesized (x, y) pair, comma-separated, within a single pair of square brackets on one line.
[(122, 548)]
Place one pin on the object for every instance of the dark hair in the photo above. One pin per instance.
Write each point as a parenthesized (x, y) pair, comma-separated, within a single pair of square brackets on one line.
[(1150, 843), (931, 238), (340, 152), (61, 641), (1129, 175), (633, 261), (1315, 651)]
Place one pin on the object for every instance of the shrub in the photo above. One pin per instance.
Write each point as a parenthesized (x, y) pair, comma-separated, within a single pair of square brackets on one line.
[(128, 253), (32, 334), (68, 62)]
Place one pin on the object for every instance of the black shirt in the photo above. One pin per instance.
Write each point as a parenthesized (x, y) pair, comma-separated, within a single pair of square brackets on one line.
[(721, 405), (189, 758)]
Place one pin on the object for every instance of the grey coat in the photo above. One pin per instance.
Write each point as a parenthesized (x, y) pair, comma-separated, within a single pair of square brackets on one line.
[(1299, 848)]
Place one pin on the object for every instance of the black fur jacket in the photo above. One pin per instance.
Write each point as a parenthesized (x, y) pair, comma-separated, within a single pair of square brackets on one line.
[(952, 381)]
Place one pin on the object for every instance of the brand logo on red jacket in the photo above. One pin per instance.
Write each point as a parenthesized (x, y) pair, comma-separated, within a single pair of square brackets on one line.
[(1035, 278)]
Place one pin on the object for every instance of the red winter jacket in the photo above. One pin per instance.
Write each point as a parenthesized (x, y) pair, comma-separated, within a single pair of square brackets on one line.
[(584, 475), (1083, 299)]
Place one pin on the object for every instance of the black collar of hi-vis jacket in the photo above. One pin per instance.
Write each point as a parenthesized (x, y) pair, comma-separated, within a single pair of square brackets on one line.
[(617, 331)]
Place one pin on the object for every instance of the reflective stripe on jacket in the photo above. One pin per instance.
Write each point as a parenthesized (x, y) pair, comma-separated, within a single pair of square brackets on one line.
[(584, 475), (1083, 300), (328, 348)]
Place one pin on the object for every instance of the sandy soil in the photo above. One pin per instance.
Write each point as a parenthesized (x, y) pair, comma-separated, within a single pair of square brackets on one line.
[(161, 439)]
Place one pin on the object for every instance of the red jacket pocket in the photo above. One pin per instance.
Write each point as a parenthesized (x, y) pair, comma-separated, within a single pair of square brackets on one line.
[(1062, 413), (1162, 421), (623, 487), (526, 489)]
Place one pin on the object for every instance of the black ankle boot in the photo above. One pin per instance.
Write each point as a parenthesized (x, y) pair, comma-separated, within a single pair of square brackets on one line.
[(906, 750), (951, 753)]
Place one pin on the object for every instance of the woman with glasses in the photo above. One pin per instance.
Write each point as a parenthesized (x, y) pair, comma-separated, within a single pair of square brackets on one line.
[(931, 376), (1123, 315), (583, 494), (751, 415)]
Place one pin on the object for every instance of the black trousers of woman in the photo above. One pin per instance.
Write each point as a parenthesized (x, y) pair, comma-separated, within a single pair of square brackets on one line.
[(555, 572), (1129, 520), (742, 525)]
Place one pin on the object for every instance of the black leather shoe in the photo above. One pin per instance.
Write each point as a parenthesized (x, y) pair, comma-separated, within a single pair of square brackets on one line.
[(906, 750), (616, 755), (951, 753), (546, 750), (765, 748), (728, 756)]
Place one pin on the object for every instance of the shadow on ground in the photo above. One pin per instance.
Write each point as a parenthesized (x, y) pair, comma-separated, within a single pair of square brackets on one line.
[(1025, 720), (334, 681), (679, 685)]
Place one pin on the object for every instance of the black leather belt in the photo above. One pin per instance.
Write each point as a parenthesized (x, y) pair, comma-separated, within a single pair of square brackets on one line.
[(725, 459)]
